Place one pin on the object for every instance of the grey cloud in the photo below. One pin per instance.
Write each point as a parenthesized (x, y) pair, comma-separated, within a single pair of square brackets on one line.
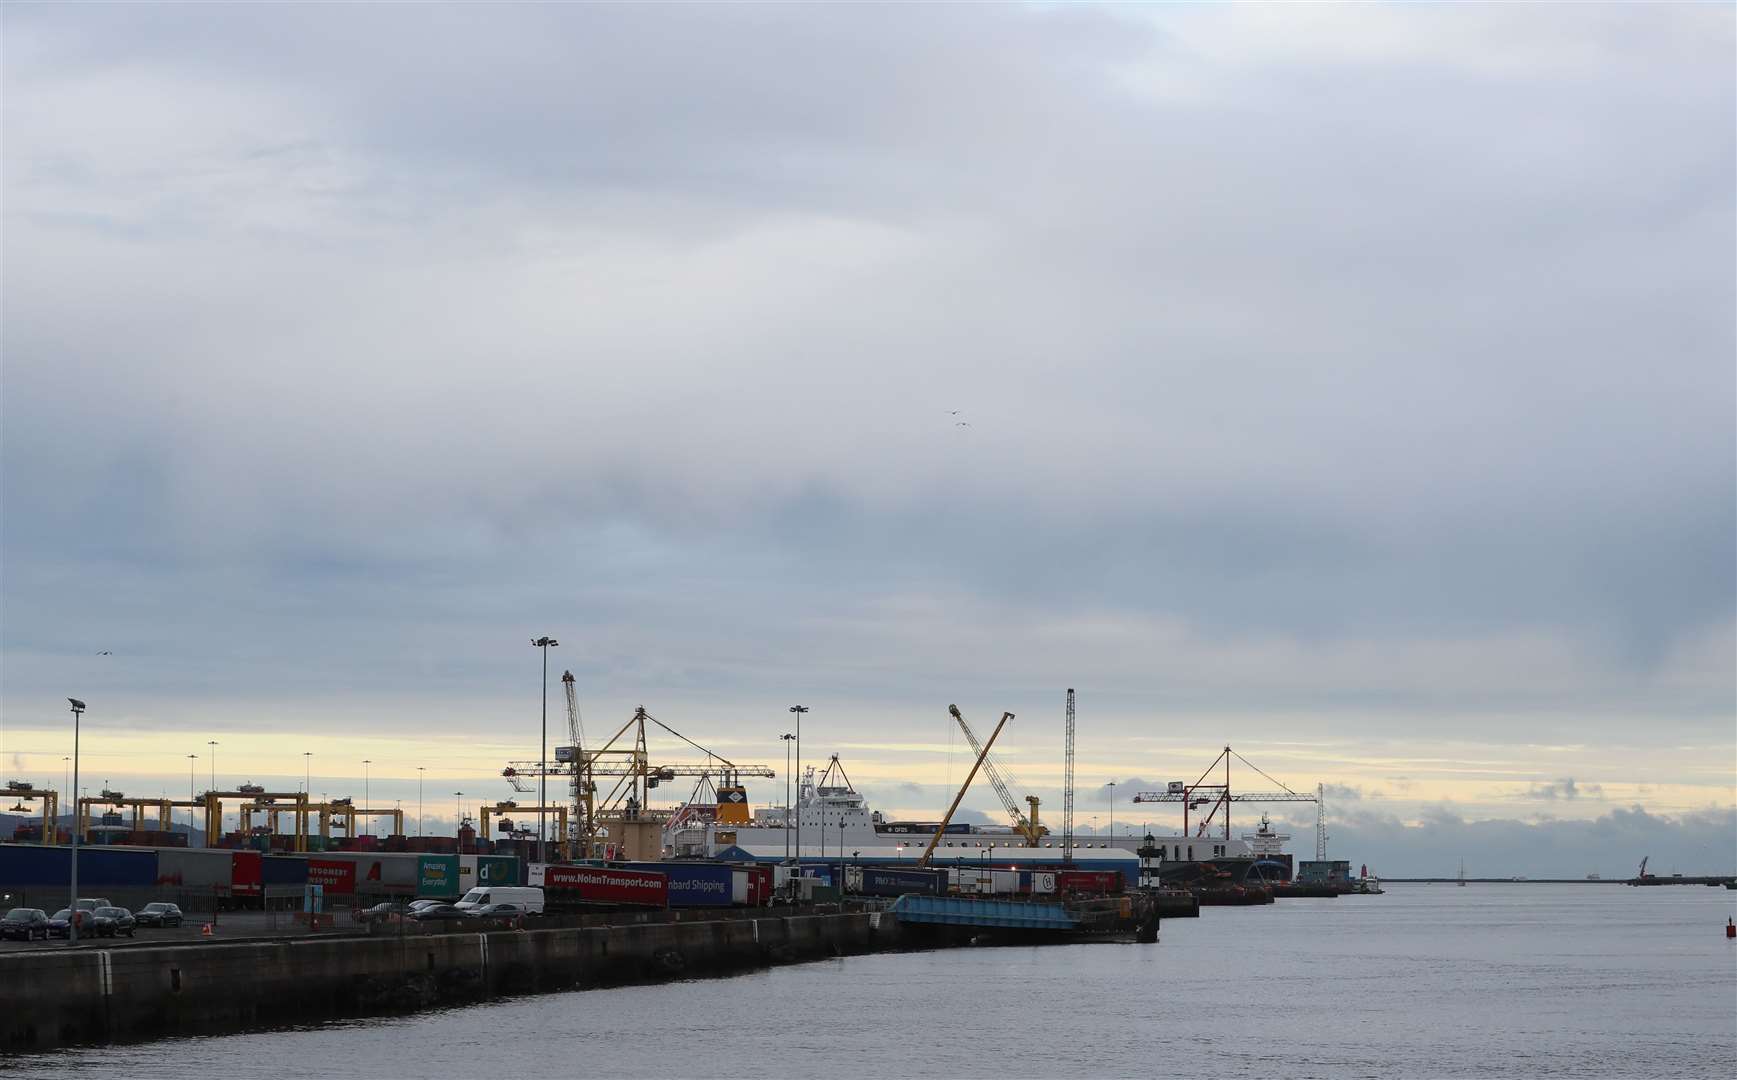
[(1564, 788), (646, 323)]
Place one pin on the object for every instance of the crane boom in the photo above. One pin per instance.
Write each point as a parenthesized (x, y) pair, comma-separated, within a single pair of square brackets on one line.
[(996, 781), (940, 829)]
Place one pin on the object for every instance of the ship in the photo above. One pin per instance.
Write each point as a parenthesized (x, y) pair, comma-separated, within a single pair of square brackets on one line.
[(830, 819)]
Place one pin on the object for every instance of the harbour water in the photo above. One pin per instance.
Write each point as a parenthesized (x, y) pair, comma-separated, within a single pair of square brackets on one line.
[(1425, 981)]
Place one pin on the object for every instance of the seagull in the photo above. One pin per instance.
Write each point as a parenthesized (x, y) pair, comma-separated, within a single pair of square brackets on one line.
[(953, 412), (960, 423), (105, 652)]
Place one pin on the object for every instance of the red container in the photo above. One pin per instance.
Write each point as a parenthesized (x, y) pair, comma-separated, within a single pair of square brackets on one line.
[(245, 875), (1087, 882), (336, 875), (605, 885)]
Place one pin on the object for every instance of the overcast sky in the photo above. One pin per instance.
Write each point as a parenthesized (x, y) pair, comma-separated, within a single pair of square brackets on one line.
[(1351, 385)]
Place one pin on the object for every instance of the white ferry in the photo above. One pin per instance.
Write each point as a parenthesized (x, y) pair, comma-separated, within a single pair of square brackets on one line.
[(832, 819)]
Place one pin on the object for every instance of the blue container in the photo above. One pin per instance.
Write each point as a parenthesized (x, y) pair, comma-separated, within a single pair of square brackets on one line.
[(283, 870), (98, 867), (888, 881), (692, 884)]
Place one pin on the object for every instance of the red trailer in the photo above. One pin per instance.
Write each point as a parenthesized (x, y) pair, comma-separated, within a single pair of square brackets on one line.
[(1087, 882), (605, 885)]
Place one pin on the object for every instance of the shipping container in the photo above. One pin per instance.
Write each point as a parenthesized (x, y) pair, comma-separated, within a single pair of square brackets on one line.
[(893, 881), (284, 871), (98, 867), (692, 884), (605, 885), (204, 869), (437, 876), (496, 870), (1087, 882), (246, 873), (333, 875)]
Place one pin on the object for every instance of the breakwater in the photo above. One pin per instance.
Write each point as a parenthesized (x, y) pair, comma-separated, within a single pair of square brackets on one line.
[(85, 995)]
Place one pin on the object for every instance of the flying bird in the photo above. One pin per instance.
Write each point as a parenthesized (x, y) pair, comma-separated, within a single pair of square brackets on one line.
[(960, 423), (105, 652)]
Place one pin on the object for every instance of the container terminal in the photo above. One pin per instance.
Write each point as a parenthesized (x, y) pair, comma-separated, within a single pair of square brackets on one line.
[(618, 894)]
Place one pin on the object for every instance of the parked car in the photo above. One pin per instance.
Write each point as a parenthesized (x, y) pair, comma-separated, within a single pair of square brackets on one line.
[(418, 905), (438, 913), (159, 914), (25, 923), (496, 911), (115, 921), (91, 903), (60, 924), (383, 912)]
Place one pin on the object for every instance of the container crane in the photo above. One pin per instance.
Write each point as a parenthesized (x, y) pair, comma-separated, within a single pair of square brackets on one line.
[(941, 829), (1198, 794), (1027, 827), (625, 758)]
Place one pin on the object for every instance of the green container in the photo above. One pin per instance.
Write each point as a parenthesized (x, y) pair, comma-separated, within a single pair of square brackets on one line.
[(496, 870), (437, 876)]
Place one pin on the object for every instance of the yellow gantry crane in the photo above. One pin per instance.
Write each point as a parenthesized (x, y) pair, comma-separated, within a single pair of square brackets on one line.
[(1026, 826), (22, 789), (982, 754)]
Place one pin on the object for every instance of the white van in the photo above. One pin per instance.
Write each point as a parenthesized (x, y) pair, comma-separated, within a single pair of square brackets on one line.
[(531, 899)]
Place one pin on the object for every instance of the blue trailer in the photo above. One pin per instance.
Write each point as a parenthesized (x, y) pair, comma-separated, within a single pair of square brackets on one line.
[(692, 884)]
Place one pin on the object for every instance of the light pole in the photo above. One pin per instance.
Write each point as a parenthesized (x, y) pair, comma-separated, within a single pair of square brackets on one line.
[(459, 807), (212, 743), (786, 738), (799, 710), (308, 773), (191, 758), (366, 804), (841, 859), (419, 775), (72, 908), (1112, 813), (545, 643)]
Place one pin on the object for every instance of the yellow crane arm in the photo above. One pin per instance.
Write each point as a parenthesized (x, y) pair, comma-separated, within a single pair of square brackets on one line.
[(963, 788)]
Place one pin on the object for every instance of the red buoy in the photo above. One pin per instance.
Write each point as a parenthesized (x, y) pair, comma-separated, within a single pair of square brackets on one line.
[(1730, 928)]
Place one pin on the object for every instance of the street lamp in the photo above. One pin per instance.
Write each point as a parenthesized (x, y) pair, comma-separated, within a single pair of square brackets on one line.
[(72, 908), (459, 807), (786, 738), (307, 772), (191, 758), (545, 643), (366, 803), (212, 743), (1112, 813), (419, 775), (841, 860), (799, 710)]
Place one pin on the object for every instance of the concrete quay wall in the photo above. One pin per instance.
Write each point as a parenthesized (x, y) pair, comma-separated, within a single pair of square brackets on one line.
[(61, 997)]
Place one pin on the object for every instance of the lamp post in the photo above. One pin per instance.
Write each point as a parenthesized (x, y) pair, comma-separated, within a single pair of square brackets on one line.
[(799, 710), (545, 643), (212, 743), (308, 773), (366, 803), (419, 776), (191, 758), (786, 738), (458, 806), (841, 860), (1112, 813), (72, 908)]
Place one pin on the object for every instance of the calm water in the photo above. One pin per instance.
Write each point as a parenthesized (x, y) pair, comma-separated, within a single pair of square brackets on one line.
[(1426, 981)]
